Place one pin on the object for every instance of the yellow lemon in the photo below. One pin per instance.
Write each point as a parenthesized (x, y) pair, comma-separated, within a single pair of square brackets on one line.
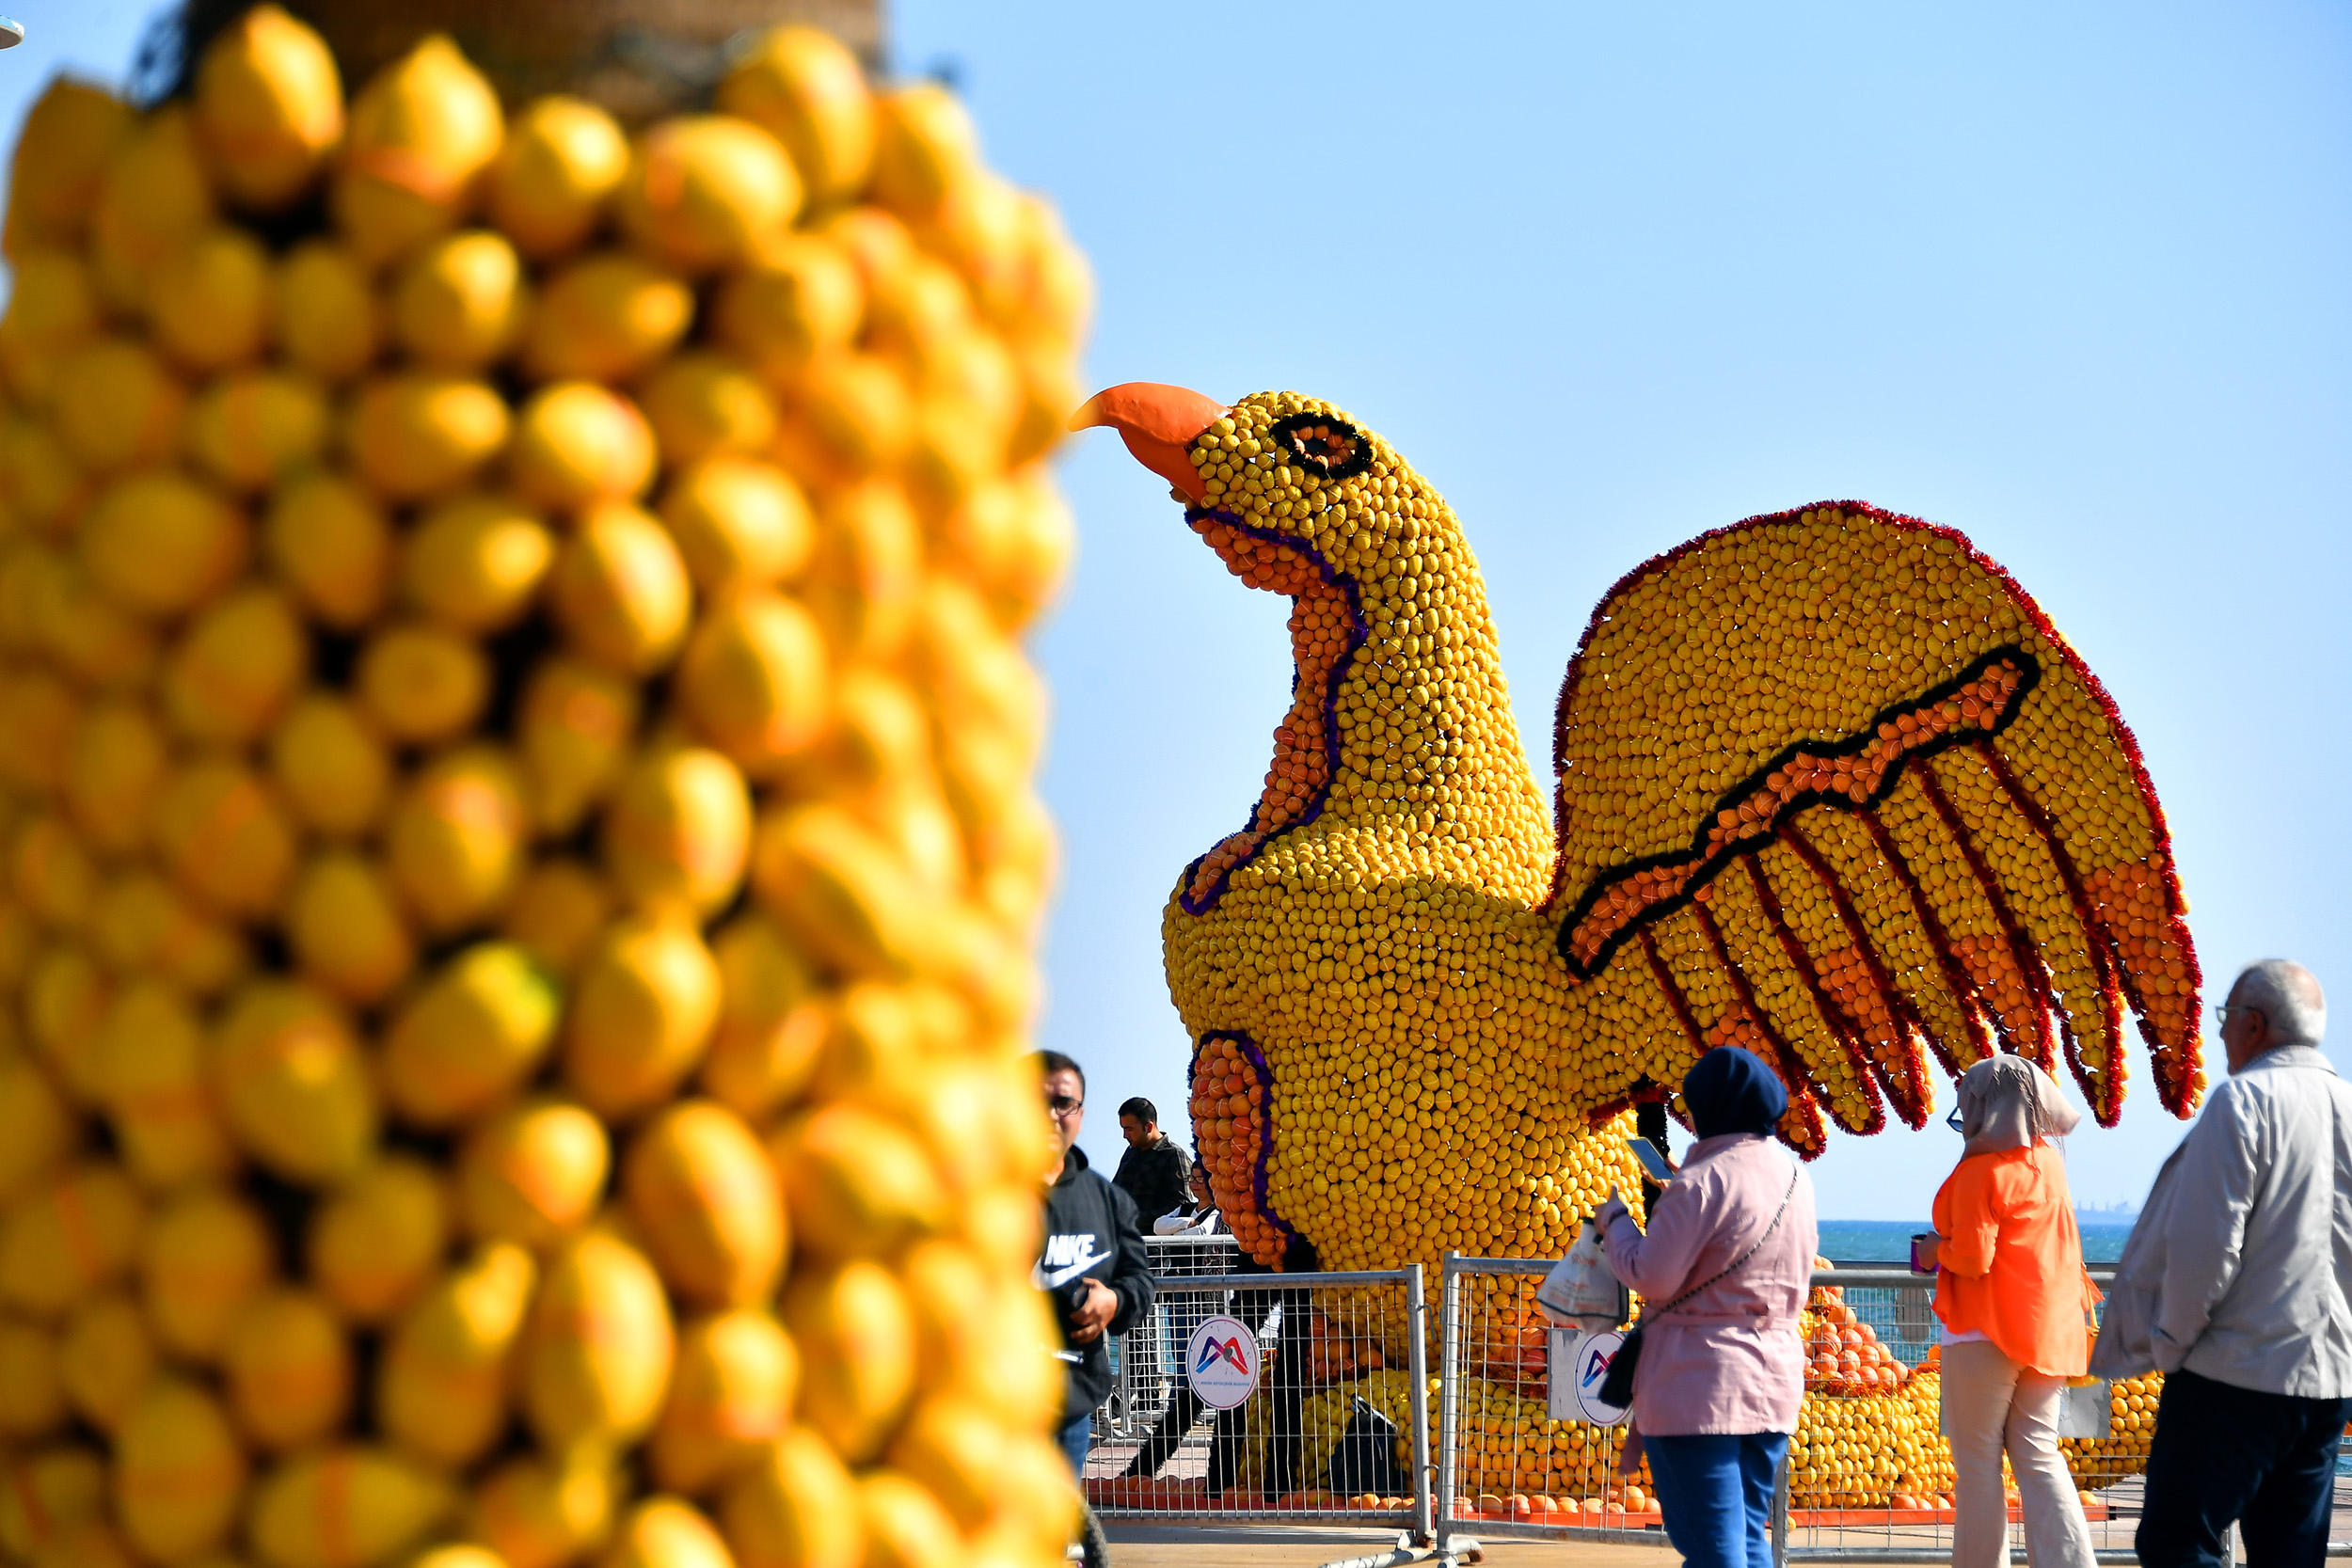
[(849, 1201), (577, 444), (252, 429), (596, 1357), (328, 540), (286, 1369), (905, 1525), (420, 135), (71, 133), (808, 91), (204, 1256), (540, 1513), (605, 317), (703, 191), (236, 667), (142, 924), (842, 894), (772, 1024), (151, 1075), (118, 759), (222, 832), (795, 1507), (346, 1506), (441, 1388), (208, 299), (666, 1532), (474, 1032), (162, 544), (32, 1390), (856, 1338), (460, 304), (731, 1394), (739, 523), (532, 1174), (926, 149), (53, 310), (422, 682), (68, 1237), (575, 729), (346, 928), (330, 319), (330, 763), (475, 563), (563, 159), (559, 908), (701, 404), (705, 1197), (455, 838), (269, 107), (620, 592), (755, 680), (376, 1242), (290, 1080), (65, 1001), (646, 1001), (179, 1474), (104, 1359), (36, 1127), (414, 435), (678, 830), (153, 199), (799, 302), (118, 405)]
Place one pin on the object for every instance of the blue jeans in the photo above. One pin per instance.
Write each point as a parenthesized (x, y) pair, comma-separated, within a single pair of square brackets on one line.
[(1075, 1436), (1716, 1493), (2223, 1452)]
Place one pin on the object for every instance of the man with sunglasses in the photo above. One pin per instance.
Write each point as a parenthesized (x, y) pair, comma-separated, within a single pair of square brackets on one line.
[(1092, 1267), (2237, 1284)]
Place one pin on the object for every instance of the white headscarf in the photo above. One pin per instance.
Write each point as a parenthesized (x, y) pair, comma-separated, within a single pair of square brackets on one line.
[(2009, 1103)]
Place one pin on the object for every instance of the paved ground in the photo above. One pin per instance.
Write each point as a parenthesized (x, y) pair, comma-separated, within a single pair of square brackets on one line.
[(1159, 1546)]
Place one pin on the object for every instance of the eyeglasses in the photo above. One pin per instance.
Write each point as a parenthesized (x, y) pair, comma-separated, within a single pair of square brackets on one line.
[(1062, 1105), (2224, 1010), (1952, 1122)]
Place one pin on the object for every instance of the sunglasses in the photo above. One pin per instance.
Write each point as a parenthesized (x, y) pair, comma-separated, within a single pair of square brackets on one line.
[(1062, 1105)]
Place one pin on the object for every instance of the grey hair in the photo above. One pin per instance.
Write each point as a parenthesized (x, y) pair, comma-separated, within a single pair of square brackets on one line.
[(2288, 995)]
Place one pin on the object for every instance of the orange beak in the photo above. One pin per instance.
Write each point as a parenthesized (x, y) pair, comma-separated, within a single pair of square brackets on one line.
[(1159, 424)]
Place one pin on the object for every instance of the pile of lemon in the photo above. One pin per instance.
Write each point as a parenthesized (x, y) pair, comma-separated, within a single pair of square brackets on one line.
[(518, 862)]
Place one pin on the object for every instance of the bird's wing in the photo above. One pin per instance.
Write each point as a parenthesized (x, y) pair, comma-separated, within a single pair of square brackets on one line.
[(1831, 787)]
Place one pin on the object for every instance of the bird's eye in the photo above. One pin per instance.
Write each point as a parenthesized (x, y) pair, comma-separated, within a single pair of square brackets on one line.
[(1332, 449)]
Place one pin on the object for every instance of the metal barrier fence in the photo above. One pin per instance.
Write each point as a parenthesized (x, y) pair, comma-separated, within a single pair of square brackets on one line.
[(1867, 1479), (1333, 1426)]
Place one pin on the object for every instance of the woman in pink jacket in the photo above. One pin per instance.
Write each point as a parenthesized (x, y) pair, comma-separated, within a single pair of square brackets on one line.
[(1722, 1273)]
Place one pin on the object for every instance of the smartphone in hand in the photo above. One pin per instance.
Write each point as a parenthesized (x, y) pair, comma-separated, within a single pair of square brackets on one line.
[(1651, 1160)]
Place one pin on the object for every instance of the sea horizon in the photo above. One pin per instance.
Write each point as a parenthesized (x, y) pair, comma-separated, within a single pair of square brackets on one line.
[(1889, 1241)]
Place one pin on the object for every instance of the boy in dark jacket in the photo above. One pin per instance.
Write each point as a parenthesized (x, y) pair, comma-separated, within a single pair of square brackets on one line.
[(1094, 1265)]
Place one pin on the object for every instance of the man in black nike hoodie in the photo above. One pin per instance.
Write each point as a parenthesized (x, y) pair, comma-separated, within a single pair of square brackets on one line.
[(1093, 1266)]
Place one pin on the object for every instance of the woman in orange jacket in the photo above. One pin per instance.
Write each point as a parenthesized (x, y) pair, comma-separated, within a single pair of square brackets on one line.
[(2014, 1298)]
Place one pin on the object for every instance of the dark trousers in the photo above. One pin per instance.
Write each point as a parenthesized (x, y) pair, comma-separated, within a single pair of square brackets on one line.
[(2224, 1453)]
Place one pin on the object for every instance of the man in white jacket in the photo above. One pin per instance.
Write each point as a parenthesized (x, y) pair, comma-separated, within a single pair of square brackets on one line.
[(2237, 1284)]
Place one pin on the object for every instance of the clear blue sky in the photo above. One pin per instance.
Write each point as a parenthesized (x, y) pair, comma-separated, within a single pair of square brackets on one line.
[(2072, 279)]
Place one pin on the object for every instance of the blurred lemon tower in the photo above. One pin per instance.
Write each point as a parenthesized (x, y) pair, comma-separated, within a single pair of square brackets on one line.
[(518, 866)]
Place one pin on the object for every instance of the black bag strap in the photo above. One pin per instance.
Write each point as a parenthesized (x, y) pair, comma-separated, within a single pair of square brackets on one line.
[(1795, 1172)]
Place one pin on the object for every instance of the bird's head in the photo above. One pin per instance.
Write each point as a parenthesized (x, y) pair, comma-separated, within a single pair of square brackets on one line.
[(1386, 608)]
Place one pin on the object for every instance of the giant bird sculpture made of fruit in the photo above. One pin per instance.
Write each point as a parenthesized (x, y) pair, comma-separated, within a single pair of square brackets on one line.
[(1829, 786)]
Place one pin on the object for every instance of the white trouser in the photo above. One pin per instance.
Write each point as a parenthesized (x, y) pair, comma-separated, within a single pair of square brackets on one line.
[(1992, 1403)]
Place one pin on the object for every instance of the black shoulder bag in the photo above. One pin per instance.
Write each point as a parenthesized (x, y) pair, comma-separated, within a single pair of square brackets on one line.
[(1616, 1388)]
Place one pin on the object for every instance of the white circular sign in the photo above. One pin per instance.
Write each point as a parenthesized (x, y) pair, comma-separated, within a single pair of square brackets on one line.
[(1222, 1362), (1589, 1369)]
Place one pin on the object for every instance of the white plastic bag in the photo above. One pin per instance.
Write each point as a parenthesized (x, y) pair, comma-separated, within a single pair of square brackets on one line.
[(1581, 1291)]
